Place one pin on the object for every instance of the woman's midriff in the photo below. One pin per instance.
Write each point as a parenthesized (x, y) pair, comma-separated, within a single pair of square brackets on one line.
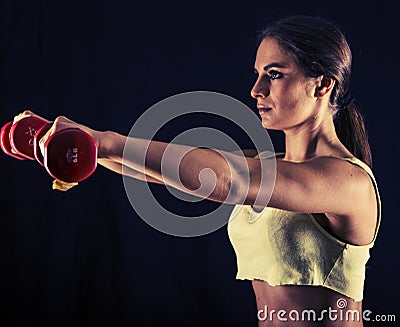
[(291, 305)]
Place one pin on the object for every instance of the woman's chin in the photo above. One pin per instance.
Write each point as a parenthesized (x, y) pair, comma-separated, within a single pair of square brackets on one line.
[(268, 125)]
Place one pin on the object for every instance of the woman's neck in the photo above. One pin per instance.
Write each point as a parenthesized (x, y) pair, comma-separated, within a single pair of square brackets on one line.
[(316, 138)]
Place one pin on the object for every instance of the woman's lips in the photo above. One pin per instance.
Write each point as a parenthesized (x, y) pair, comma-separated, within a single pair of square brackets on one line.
[(263, 110)]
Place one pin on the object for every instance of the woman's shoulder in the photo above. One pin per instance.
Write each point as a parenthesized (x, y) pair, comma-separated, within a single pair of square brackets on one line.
[(348, 168), (349, 164)]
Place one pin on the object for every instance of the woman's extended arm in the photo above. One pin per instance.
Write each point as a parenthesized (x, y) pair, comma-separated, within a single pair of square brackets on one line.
[(323, 184), (118, 167), (208, 173)]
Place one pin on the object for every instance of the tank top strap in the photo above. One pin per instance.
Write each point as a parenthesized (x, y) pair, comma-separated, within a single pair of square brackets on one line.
[(367, 169)]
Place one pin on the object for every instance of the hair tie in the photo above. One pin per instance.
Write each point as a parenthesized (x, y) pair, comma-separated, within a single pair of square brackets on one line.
[(346, 100)]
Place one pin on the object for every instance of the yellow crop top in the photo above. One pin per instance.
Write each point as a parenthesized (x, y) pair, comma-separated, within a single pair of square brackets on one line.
[(291, 248)]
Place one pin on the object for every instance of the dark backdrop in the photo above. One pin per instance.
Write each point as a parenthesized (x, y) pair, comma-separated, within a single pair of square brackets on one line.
[(84, 258)]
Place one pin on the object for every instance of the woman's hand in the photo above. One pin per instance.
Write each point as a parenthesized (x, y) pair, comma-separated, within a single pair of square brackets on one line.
[(62, 123), (59, 124), (26, 114)]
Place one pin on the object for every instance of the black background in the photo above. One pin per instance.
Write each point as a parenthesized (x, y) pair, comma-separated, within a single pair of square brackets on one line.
[(84, 258)]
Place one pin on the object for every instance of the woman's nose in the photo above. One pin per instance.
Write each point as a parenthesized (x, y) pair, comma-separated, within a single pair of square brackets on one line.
[(260, 89)]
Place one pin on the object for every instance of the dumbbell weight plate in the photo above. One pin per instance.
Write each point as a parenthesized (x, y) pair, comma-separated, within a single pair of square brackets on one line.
[(70, 155), (5, 141)]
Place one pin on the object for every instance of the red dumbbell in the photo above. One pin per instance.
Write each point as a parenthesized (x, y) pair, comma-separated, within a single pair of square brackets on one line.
[(17, 139), (69, 155)]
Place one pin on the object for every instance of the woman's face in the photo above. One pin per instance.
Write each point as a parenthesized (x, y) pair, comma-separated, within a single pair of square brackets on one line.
[(285, 96)]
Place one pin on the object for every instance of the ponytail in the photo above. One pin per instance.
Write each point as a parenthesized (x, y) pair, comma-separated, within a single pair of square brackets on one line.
[(350, 129)]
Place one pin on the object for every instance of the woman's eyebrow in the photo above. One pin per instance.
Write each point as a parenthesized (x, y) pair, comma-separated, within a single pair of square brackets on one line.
[(274, 64)]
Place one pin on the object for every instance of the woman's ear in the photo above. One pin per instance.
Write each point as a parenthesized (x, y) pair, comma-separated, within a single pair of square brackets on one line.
[(324, 86)]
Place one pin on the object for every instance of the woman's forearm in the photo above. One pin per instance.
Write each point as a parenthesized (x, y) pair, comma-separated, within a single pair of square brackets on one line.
[(111, 147), (118, 168)]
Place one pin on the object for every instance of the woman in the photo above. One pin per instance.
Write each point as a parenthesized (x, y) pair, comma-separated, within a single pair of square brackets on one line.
[(305, 250)]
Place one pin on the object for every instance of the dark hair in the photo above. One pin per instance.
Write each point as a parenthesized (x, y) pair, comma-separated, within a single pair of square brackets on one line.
[(320, 47)]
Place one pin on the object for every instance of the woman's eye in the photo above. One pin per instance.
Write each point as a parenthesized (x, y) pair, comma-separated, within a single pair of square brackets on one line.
[(273, 74)]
